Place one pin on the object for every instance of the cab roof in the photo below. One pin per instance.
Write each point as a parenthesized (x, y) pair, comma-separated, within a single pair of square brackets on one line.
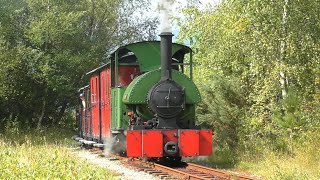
[(146, 54)]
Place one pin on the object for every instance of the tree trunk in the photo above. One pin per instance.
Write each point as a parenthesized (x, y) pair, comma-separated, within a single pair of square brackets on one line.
[(61, 112), (43, 109), (283, 76)]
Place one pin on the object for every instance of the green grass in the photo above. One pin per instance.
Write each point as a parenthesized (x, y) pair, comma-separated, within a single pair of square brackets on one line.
[(294, 159), (220, 158), (301, 162), (44, 154)]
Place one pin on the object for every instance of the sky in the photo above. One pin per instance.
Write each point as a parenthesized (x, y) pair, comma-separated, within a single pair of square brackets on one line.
[(174, 10)]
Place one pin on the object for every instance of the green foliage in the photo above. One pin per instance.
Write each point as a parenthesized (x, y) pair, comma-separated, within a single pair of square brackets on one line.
[(302, 163), (221, 109), (44, 154), (222, 158), (46, 47), (247, 53), (242, 41)]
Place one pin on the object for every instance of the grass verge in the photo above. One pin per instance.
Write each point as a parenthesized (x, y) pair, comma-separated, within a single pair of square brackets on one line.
[(301, 162), (44, 154)]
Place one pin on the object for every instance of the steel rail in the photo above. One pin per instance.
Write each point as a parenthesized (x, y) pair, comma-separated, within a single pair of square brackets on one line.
[(211, 171), (176, 172), (190, 171), (218, 173)]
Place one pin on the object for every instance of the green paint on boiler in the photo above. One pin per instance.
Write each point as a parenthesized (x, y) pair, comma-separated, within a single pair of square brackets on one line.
[(138, 89)]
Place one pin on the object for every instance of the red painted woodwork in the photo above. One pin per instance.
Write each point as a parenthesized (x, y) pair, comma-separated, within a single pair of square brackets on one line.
[(134, 143), (205, 143), (95, 100), (126, 74), (170, 135), (152, 143), (105, 85), (189, 143)]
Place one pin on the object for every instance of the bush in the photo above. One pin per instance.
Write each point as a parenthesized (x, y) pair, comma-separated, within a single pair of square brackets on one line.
[(221, 110), (302, 163), (44, 154)]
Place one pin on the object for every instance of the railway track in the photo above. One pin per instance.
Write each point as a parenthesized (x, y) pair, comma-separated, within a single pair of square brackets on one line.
[(190, 171), (184, 171)]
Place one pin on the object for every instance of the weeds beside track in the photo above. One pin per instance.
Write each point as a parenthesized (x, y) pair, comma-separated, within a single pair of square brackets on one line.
[(44, 154)]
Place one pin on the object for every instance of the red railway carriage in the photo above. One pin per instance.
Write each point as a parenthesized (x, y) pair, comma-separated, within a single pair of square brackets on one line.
[(105, 84), (143, 100), (101, 83)]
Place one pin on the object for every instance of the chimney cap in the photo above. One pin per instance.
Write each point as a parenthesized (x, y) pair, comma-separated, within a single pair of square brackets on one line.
[(166, 34)]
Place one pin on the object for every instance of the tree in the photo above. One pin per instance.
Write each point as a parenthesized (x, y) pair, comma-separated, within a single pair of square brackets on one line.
[(47, 46), (250, 42)]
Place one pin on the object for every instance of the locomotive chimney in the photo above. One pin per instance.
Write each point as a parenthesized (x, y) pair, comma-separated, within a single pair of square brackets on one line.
[(166, 55)]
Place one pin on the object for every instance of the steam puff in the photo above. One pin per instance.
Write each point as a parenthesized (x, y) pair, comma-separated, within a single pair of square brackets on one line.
[(108, 144), (165, 10)]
